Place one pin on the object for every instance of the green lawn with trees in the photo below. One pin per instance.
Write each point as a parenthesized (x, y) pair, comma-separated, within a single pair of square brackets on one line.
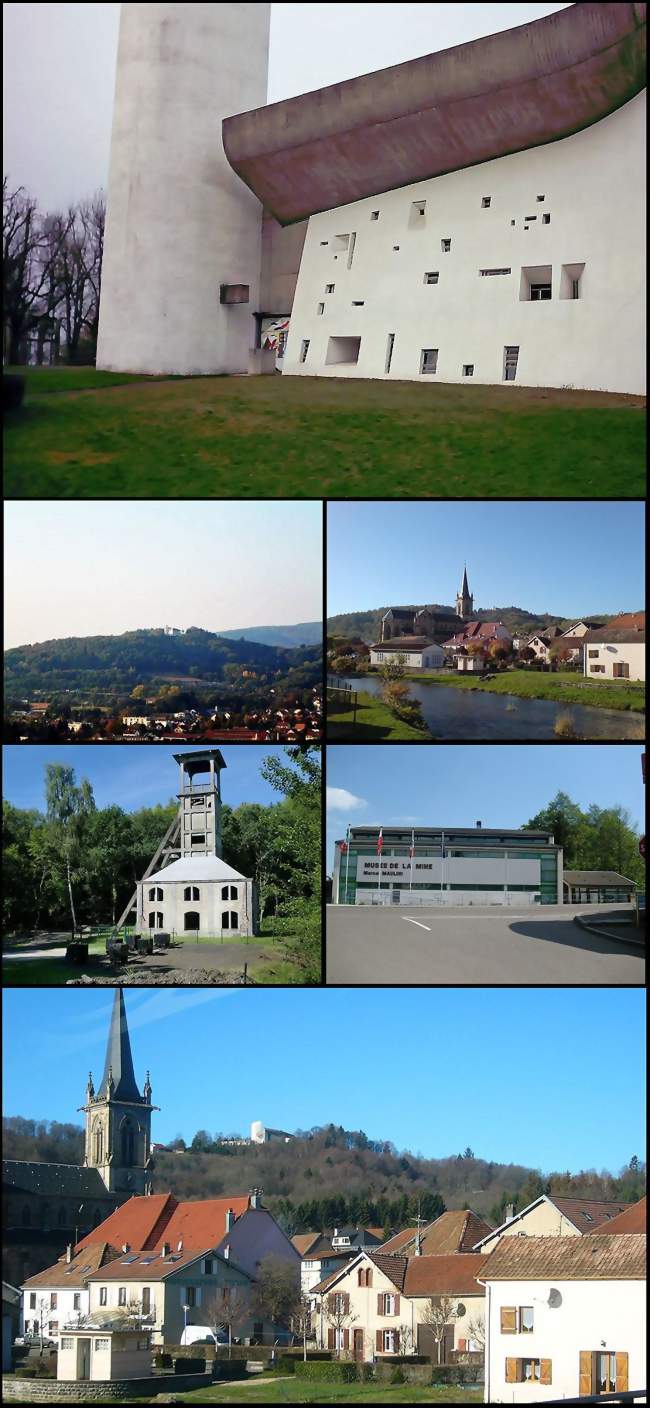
[(305, 437), (75, 864), (600, 838), (563, 686)]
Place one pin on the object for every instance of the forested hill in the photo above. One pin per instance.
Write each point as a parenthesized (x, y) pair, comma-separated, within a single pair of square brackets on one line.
[(329, 1175), (364, 624), (117, 661), (306, 633)]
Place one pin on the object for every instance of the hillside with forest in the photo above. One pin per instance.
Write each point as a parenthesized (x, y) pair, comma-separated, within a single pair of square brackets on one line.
[(364, 625), (328, 1176), (118, 663)]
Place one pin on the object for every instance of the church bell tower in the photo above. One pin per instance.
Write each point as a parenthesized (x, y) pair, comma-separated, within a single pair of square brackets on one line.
[(464, 599), (118, 1117)]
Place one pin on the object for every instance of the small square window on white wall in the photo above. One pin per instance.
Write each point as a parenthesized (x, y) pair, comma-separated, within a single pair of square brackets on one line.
[(468, 369), (446, 246), (374, 215), (304, 348), (431, 277), (486, 202)]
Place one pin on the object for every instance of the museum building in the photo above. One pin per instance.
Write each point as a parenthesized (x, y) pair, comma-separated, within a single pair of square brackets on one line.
[(449, 865)]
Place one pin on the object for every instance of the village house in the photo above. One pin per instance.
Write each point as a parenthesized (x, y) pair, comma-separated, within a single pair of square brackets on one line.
[(565, 1317), (59, 1295), (170, 1287), (454, 1231), (376, 1306), (414, 652), (551, 1216), (324, 1252), (617, 650)]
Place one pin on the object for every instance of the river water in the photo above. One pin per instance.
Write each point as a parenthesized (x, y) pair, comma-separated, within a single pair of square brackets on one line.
[(452, 713)]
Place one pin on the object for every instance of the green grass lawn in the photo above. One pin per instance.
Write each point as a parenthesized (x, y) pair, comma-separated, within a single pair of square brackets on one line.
[(108, 436), (292, 1390), (374, 721), (563, 686)]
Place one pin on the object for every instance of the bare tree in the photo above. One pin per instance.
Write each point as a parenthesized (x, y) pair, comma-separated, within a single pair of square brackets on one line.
[(92, 218), (339, 1317), (301, 1319), (437, 1314), (27, 257), (476, 1331), (228, 1309), (277, 1290)]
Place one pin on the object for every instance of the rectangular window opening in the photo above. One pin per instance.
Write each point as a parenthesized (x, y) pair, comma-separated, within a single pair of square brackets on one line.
[(546, 219), (353, 241), (389, 351), (510, 359), (432, 277), (417, 214), (486, 202), (374, 215), (489, 273), (468, 369), (343, 351), (320, 309), (304, 348), (358, 302), (329, 288), (445, 246), (428, 361)]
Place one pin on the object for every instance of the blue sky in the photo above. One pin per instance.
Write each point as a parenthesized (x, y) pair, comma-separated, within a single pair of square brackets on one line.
[(567, 559), (570, 1056), (132, 775), (101, 568), (457, 785)]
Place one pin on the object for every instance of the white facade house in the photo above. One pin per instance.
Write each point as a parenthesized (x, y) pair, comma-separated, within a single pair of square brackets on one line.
[(565, 1317), (470, 664), (413, 653), (615, 654), (510, 271)]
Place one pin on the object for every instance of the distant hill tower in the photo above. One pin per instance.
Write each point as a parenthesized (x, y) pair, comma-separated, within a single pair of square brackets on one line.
[(464, 599), (118, 1117), (182, 253)]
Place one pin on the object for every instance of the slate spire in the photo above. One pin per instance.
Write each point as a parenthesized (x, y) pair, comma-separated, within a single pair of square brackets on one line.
[(118, 1066)]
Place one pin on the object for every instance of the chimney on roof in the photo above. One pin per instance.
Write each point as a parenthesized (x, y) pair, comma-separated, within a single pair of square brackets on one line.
[(255, 1198), (509, 1212), (230, 1219), (180, 1245), (68, 1252), (125, 1247), (226, 1253), (166, 1248)]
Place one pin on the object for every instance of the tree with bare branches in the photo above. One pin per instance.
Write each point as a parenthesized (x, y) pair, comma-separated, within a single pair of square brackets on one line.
[(227, 1309), (437, 1314), (339, 1317)]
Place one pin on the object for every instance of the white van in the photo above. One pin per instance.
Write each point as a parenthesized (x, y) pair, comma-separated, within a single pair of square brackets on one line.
[(202, 1334)]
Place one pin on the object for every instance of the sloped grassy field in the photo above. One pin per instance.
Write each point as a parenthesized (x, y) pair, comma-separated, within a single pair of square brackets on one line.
[(87, 434)]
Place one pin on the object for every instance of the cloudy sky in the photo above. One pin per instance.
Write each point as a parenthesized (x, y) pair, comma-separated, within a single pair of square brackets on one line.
[(59, 62)]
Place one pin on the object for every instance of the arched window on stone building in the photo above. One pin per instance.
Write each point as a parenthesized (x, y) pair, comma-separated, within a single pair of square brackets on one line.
[(229, 919), (127, 1142), (192, 919), (192, 892), (229, 892)]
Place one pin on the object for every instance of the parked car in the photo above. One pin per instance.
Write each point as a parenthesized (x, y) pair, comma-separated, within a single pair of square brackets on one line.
[(202, 1334)]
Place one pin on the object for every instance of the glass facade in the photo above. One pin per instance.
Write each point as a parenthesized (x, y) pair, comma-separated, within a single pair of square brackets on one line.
[(446, 847)]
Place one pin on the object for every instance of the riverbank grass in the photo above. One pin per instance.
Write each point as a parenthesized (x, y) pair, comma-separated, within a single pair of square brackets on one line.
[(561, 687), (87, 434), (373, 721)]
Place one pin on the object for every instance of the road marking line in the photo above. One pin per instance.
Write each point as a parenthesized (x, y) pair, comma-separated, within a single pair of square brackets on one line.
[(415, 921)]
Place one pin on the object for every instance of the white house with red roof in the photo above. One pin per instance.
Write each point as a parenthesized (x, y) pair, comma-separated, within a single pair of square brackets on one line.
[(565, 1317)]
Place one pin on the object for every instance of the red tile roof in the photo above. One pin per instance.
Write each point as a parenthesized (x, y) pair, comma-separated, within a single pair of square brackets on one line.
[(65, 1275), (632, 1219), (200, 1224), (444, 1275), (587, 1213), (455, 1231), (145, 1223)]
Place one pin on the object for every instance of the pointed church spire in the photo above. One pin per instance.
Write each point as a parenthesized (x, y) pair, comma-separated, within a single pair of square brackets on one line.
[(118, 1080), (464, 591)]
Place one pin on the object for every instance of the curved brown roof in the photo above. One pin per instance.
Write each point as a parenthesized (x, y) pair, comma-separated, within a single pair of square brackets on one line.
[(505, 93)]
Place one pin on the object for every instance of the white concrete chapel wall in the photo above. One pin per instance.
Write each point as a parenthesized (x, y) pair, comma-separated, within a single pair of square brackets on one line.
[(593, 189)]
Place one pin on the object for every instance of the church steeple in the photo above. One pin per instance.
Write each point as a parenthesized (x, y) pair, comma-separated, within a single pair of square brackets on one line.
[(464, 598), (118, 1117), (119, 1061)]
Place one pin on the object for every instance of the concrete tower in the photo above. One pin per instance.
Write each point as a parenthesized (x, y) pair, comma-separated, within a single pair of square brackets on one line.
[(183, 234), (464, 599), (118, 1117), (200, 802)]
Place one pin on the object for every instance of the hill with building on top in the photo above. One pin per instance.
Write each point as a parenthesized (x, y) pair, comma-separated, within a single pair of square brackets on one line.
[(329, 1175), (364, 625)]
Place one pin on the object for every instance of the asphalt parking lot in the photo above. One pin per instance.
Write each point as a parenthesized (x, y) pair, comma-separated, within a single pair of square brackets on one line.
[(475, 945)]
